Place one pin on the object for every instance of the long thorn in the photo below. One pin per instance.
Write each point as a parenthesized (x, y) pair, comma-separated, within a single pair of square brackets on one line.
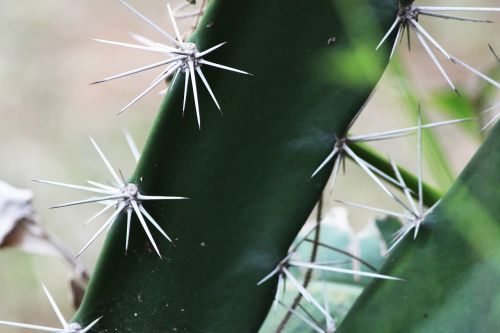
[(207, 51), (54, 306), (205, 82), (396, 41), (335, 172), (306, 294), (110, 189), (417, 27), (106, 162), (91, 200), (394, 26), (186, 84), (279, 292), (195, 91), (326, 161), (404, 231), (151, 87), (419, 149), (405, 188), (176, 75), (77, 187), (157, 197), (269, 276), (457, 18), (154, 223), (213, 64), (176, 29), (475, 71), (404, 131), (109, 222), (277, 268), (364, 165), (491, 122), (384, 175), (99, 213), (343, 270), (144, 226), (92, 324), (151, 23), (151, 48), (141, 69), (162, 73), (460, 9), (436, 62), (32, 327), (148, 42), (132, 145), (374, 209), (129, 219)]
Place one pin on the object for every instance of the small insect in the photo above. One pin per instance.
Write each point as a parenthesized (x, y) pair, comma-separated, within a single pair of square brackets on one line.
[(66, 327)]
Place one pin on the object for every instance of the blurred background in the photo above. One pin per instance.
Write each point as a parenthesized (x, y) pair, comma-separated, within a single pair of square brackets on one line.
[(48, 109)]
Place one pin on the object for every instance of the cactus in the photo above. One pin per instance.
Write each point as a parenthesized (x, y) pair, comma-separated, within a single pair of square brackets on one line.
[(232, 232), (217, 261), (454, 261)]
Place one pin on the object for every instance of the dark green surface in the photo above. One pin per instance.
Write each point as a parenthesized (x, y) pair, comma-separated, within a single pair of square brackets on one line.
[(452, 270), (247, 173)]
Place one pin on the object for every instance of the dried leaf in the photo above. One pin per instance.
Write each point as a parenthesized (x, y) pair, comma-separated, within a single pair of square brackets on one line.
[(19, 229), (78, 284), (15, 206)]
